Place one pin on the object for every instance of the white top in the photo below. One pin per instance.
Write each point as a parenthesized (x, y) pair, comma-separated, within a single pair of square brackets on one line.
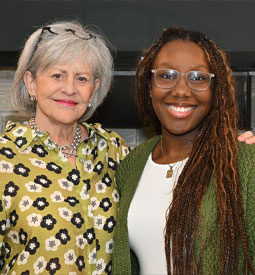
[(147, 215)]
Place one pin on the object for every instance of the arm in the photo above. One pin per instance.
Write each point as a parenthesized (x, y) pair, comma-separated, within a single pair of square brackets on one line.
[(247, 177), (3, 227)]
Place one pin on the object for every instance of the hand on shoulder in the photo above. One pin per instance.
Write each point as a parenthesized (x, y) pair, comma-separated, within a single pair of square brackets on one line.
[(247, 137)]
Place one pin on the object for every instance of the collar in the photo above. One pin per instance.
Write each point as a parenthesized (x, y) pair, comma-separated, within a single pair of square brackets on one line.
[(96, 129), (22, 135)]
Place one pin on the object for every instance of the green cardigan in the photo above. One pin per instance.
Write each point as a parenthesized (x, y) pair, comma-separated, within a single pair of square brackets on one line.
[(128, 175)]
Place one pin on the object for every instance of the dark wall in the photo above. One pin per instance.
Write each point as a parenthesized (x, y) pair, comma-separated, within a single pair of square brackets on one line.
[(131, 25)]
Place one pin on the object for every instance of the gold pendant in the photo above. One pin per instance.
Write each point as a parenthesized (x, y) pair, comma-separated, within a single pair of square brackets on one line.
[(169, 173)]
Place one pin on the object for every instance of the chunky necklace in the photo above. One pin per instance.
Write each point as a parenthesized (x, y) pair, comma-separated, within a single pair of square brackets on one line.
[(66, 150), (170, 171)]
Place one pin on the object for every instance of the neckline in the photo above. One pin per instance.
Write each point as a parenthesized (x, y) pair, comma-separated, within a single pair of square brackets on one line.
[(167, 164)]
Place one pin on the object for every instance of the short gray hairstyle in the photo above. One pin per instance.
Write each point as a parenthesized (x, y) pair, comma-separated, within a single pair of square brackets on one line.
[(44, 48)]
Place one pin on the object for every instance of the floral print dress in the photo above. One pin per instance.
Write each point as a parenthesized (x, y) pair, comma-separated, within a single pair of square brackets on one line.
[(55, 219)]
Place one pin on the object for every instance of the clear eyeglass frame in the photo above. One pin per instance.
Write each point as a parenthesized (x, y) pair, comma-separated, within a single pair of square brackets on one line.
[(170, 83)]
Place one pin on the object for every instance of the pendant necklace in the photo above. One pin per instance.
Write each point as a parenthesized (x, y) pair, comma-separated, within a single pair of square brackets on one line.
[(66, 150), (170, 171)]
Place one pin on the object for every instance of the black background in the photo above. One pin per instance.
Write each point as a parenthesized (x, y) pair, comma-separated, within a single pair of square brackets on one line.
[(131, 26)]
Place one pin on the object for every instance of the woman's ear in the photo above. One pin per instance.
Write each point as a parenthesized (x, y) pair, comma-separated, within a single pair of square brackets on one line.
[(96, 85), (30, 83)]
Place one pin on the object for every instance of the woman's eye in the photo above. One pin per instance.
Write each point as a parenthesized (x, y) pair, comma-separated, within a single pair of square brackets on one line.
[(82, 79), (198, 77), (57, 76), (167, 76)]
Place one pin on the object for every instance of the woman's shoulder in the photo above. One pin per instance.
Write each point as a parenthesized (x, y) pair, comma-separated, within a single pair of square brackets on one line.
[(145, 147), (138, 156), (99, 129), (13, 130), (246, 165), (246, 154)]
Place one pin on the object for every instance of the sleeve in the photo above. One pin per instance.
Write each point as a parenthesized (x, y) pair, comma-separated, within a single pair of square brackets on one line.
[(4, 222), (247, 178), (250, 211)]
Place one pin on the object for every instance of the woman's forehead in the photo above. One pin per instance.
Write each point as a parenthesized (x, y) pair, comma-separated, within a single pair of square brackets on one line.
[(77, 64), (180, 52)]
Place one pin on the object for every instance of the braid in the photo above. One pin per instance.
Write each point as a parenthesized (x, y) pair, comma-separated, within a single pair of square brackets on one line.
[(214, 154), (143, 74)]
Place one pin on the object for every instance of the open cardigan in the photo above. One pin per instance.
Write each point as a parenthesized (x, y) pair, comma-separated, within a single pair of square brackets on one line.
[(128, 176)]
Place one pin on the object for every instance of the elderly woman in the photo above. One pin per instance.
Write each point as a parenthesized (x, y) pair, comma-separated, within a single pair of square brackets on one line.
[(58, 196), (188, 194)]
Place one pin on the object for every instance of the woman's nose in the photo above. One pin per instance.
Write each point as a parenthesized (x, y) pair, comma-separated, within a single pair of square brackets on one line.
[(69, 86), (181, 88)]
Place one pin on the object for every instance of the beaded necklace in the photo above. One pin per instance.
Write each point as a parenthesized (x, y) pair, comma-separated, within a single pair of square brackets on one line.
[(66, 150)]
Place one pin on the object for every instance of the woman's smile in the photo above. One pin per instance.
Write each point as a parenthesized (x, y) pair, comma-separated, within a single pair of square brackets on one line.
[(65, 102), (180, 111)]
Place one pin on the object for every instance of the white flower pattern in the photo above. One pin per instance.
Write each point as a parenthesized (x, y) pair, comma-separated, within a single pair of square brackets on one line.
[(109, 246), (84, 193), (100, 187), (6, 167), (25, 203), (99, 222), (88, 166), (94, 203), (65, 213), (7, 201), (34, 219), (81, 241), (19, 132), (33, 187), (57, 197), (52, 244), (115, 196), (86, 151), (102, 144), (66, 184), (38, 163), (39, 265), (23, 257), (14, 236), (100, 265), (93, 256), (70, 257)]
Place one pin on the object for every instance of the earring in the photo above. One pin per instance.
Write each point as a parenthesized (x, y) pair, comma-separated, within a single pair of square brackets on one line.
[(89, 105), (32, 98)]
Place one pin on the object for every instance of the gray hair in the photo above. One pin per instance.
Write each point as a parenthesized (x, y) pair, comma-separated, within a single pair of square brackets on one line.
[(73, 42)]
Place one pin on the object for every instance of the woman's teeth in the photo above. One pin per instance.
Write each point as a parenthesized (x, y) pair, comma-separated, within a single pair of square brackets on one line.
[(180, 108)]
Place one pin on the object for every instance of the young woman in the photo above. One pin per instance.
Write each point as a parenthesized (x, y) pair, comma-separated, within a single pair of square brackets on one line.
[(187, 195)]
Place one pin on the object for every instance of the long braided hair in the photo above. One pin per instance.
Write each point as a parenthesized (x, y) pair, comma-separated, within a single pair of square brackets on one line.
[(213, 155)]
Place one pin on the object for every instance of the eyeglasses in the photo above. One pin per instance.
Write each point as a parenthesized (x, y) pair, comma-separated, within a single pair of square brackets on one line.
[(168, 78), (49, 29)]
